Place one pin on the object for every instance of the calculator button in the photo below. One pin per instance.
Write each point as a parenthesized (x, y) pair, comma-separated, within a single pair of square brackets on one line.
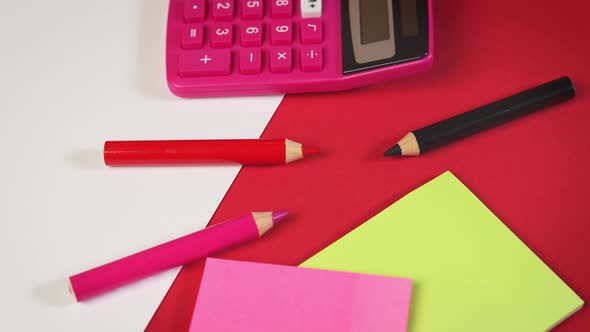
[(280, 33), (280, 60), (311, 8), (250, 61), (311, 31), (221, 35), (251, 34), (205, 63), (311, 59), (222, 10), (194, 10), (281, 8), (252, 9), (192, 36)]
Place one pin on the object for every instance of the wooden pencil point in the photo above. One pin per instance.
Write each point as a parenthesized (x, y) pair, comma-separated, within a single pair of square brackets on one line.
[(293, 151), (263, 221), (409, 145)]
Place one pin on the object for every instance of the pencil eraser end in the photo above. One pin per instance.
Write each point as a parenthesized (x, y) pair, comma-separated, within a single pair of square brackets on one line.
[(71, 289), (106, 154)]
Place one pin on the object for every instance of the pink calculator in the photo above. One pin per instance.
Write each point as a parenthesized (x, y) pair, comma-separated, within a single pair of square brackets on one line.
[(256, 47)]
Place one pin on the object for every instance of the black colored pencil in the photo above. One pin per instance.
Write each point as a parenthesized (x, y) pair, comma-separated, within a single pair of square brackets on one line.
[(484, 117)]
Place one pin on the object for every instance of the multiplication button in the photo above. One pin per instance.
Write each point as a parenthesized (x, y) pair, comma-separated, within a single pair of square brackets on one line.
[(280, 59)]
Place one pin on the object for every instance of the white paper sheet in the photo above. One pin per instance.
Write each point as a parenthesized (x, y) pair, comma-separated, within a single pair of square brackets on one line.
[(73, 74)]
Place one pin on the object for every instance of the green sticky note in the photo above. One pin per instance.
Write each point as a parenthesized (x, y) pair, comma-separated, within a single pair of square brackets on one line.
[(470, 272)]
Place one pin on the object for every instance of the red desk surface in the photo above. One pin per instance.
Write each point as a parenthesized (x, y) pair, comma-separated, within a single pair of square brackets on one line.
[(533, 173)]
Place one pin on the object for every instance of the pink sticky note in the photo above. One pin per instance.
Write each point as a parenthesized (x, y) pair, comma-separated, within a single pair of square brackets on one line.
[(238, 296)]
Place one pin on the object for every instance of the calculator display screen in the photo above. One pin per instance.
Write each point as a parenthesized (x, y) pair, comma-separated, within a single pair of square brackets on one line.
[(379, 33), (409, 17), (374, 19)]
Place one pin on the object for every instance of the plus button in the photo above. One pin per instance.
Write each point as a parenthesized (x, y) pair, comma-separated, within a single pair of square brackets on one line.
[(205, 63), (205, 59)]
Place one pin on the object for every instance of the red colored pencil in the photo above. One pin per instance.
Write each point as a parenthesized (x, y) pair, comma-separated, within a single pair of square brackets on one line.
[(191, 152)]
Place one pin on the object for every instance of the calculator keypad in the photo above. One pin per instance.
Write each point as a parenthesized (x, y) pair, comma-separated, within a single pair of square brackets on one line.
[(256, 35)]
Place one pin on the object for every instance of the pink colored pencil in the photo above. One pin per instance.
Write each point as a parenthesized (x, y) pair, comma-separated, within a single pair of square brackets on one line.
[(174, 253)]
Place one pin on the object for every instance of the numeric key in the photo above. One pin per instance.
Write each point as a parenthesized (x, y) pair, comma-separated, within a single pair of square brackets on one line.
[(222, 10), (222, 35), (280, 33), (252, 9), (281, 8), (311, 31), (251, 34)]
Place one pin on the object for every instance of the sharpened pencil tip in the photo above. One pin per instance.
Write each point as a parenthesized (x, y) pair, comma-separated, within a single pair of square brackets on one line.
[(310, 151), (393, 151), (277, 216)]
